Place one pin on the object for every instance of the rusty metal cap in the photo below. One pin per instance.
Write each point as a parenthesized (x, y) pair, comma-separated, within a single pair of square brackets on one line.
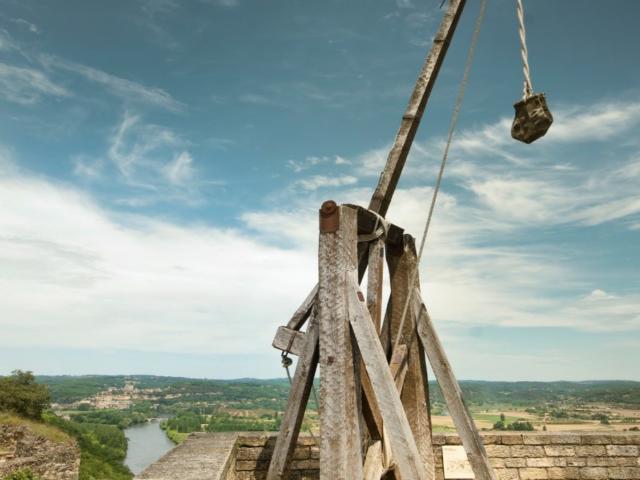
[(329, 217)]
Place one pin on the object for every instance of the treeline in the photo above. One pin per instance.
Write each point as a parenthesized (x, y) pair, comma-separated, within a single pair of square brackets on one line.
[(188, 422)]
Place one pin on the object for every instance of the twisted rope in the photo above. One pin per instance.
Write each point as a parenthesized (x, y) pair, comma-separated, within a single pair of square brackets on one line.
[(445, 155), (524, 53)]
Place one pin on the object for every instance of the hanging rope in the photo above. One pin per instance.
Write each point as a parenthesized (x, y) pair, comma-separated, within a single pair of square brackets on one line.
[(445, 155), (524, 53)]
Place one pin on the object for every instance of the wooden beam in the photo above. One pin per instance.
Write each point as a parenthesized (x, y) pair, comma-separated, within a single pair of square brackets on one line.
[(399, 366), (296, 405), (340, 442), (302, 313), (290, 340), (374, 462), (396, 426), (415, 392), (374, 282), (413, 113), (452, 393)]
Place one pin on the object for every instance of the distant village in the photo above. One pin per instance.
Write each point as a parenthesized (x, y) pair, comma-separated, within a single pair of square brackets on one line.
[(117, 398)]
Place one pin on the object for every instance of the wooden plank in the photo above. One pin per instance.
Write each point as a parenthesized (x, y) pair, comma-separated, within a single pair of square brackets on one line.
[(452, 393), (340, 447), (399, 366), (413, 113), (374, 462), (302, 313), (396, 426), (289, 339), (296, 404), (374, 282), (371, 409), (415, 392)]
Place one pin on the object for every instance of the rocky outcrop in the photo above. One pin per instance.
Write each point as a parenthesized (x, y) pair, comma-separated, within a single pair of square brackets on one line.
[(21, 447)]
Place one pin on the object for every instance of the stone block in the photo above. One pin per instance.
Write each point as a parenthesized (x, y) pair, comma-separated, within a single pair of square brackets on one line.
[(512, 439), (251, 465), (590, 450), (515, 462), (491, 439), (438, 440), (305, 464), (533, 473), (507, 473), (594, 473), (253, 453), (252, 441), (601, 462), (559, 451), (616, 473), (565, 439), (536, 439), (527, 451), (595, 439), (541, 462), (622, 450), (452, 440), (569, 473), (576, 462), (498, 451)]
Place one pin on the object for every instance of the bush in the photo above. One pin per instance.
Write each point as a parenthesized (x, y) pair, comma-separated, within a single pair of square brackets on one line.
[(24, 474), (20, 393)]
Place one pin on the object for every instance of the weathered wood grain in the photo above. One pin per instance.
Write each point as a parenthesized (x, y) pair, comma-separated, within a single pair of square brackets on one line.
[(296, 404), (302, 313), (287, 338), (400, 438), (415, 391), (413, 113), (340, 448), (374, 282), (452, 393), (373, 464)]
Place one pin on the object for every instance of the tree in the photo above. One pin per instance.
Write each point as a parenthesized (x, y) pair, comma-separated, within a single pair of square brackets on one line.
[(20, 393)]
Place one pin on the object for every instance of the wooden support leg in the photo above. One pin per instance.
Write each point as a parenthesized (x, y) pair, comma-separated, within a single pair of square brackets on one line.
[(415, 391), (296, 404), (403, 446), (374, 281), (340, 444), (452, 394)]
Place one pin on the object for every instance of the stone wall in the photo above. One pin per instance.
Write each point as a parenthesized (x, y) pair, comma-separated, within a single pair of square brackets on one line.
[(21, 448), (574, 456), (253, 453), (528, 456)]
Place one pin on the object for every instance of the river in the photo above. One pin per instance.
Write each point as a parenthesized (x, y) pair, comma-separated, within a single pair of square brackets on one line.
[(147, 443)]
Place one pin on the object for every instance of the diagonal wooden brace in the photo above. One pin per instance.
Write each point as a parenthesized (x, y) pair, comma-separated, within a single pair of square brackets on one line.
[(296, 405), (452, 393), (396, 425)]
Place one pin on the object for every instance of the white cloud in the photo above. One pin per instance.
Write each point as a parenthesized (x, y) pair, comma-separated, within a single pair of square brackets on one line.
[(321, 181), (94, 279), (33, 28), (86, 167), (181, 169), (139, 150), (27, 86), (121, 87)]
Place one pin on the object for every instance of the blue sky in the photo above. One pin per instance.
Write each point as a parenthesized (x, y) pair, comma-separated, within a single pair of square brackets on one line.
[(162, 162)]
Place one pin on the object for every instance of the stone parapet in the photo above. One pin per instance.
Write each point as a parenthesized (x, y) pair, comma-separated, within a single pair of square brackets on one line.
[(514, 456)]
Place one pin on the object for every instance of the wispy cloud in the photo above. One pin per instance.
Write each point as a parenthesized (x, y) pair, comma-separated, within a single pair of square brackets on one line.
[(129, 90), (181, 170), (321, 181), (255, 99), (27, 86), (33, 28)]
